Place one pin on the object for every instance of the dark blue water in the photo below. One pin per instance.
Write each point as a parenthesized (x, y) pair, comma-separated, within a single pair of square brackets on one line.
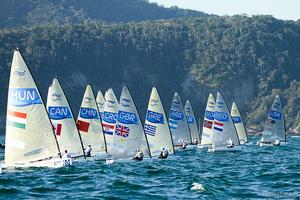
[(256, 173)]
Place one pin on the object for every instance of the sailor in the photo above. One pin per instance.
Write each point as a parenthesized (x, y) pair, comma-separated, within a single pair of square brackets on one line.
[(230, 143), (164, 153), (66, 155), (2, 146), (88, 151), (195, 141), (276, 142), (139, 155), (183, 144), (242, 142)]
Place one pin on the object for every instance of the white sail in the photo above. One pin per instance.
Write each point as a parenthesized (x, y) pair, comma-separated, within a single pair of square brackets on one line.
[(223, 127), (63, 121), (275, 126), (178, 123), (129, 132), (238, 123), (110, 115), (100, 102), (156, 126), (206, 136), (190, 116), (89, 123), (29, 133)]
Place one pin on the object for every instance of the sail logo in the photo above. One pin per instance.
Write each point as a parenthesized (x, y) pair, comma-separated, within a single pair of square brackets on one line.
[(154, 102), (236, 119), (24, 97), (209, 115), (221, 116), (87, 99), (19, 72), (56, 97), (126, 100), (89, 113), (275, 114), (59, 112), (190, 119), (155, 117), (110, 117), (127, 117), (176, 115)]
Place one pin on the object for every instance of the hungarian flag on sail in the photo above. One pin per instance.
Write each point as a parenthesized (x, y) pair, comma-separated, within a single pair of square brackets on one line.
[(57, 128), (108, 129), (16, 119), (83, 126), (122, 131), (218, 126), (208, 124)]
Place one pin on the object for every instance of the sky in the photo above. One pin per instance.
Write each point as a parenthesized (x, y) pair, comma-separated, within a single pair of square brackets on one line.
[(281, 9)]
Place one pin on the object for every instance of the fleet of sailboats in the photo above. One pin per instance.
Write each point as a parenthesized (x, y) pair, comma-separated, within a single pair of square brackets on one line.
[(106, 128)]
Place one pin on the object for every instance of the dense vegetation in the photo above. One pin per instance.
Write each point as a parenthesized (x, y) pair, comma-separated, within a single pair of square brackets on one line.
[(15, 13), (248, 59)]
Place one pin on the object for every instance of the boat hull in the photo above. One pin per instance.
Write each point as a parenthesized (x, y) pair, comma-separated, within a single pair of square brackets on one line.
[(203, 146), (263, 144), (53, 163), (235, 148)]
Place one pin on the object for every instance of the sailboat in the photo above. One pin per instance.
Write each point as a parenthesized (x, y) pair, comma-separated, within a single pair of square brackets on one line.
[(30, 140), (89, 125), (178, 123), (100, 102), (224, 135), (63, 121), (206, 136), (129, 136), (193, 128), (156, 126), (274, 128), (238, 123), (110, 115)]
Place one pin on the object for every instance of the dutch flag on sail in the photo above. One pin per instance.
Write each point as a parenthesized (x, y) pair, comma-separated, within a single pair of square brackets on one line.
[(218, 126)]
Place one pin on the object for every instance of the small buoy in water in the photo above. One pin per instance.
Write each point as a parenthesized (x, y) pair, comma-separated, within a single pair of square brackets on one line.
[(198, 187)]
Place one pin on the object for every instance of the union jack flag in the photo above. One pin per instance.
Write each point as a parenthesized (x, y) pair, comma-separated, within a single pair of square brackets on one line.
[(122, 131)]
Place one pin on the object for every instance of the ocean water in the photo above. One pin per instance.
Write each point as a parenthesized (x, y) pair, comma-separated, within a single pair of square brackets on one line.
[(255, 173)]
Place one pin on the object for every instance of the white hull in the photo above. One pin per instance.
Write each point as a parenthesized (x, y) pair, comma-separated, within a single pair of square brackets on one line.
[(98, 156), (202, 146), (262, 144), (124, 160), (235, 148), (53, 163)]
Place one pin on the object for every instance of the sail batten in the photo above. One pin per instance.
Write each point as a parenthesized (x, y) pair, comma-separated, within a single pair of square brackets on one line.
[(29, 133), (156, 126)]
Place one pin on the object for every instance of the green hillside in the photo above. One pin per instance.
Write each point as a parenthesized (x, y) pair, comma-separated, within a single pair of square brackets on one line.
[(14, 13), (248, 59)]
